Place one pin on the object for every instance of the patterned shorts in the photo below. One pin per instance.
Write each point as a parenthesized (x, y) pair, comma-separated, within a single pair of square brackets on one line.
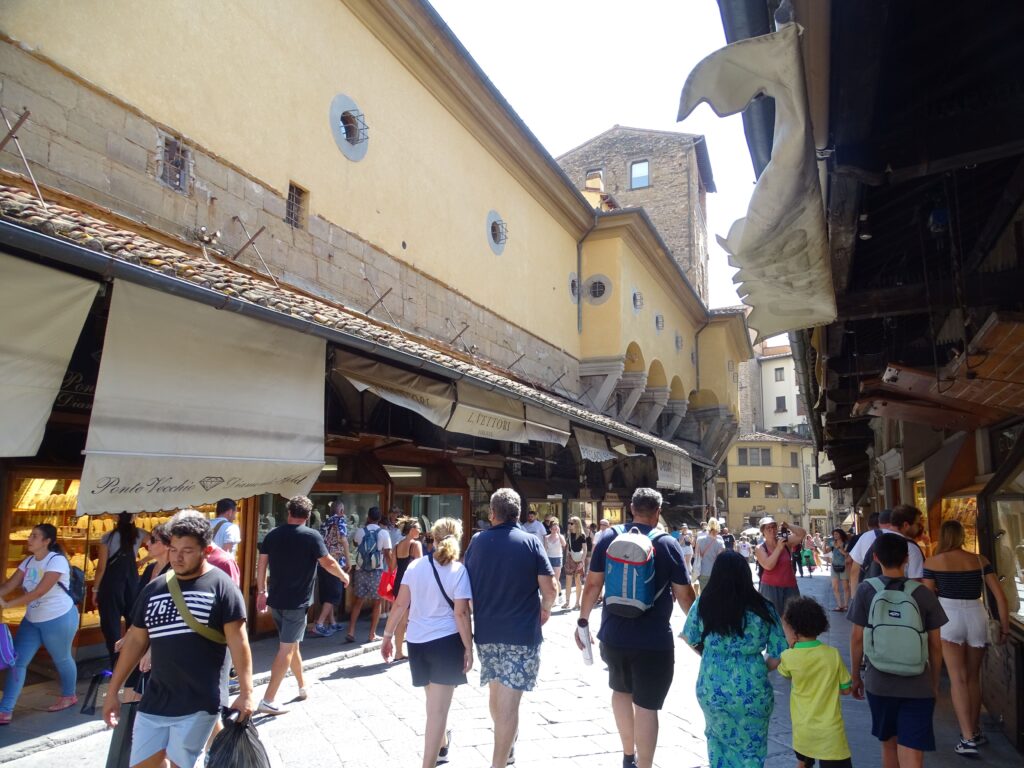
[(367, 583), (514, 666)]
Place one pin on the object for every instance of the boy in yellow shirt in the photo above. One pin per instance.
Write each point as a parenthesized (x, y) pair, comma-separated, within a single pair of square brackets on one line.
[(819, 678)]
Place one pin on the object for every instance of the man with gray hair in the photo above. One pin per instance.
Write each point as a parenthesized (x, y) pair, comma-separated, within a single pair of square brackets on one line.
[(506, 567), (640, 650), (292, 552)]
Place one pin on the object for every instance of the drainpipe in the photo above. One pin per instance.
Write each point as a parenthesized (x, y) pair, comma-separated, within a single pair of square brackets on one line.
[(579, 274), (696, 345)]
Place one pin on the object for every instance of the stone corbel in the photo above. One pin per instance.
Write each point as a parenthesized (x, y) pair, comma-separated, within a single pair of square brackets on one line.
[(601, 374), (677, 410), (632, 384), (652, 403)]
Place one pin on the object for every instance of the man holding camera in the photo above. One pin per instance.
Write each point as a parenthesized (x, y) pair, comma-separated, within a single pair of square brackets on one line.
[(775, 556)]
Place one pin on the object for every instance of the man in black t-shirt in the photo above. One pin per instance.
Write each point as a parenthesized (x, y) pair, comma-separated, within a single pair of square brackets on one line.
[(182, 699), (728, 539), (292, 552), (640, 652)]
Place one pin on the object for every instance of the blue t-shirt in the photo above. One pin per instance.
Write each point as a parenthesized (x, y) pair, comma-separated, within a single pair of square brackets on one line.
[(652, 631), (504, 563)]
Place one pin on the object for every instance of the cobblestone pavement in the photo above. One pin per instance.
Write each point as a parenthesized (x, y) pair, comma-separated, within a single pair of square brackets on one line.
[(364, 714)]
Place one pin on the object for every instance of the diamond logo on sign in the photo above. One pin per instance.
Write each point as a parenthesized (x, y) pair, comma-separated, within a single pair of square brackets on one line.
[(211, 482)]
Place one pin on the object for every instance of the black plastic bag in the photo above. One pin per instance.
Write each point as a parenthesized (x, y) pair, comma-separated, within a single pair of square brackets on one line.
[(120, 751), (237, 746)]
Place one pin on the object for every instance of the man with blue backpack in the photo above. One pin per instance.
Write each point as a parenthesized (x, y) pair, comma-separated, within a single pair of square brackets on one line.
[(642, 574), (895, 636)]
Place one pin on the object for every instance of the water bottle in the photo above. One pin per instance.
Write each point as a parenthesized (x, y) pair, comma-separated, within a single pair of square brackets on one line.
[(583, 633)]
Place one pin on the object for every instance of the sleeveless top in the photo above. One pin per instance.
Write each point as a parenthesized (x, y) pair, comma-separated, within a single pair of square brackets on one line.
[(782, 574), (958, 585), (401, 563)]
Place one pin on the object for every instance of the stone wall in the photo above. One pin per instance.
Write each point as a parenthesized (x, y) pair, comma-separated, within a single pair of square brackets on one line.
[(672, 200), (87, 144)]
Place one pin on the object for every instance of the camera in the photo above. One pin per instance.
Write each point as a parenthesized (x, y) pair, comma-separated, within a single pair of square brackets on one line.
[(784, 533)]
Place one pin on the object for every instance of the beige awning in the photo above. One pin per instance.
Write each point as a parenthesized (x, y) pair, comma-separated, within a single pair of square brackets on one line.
[(194, 404), (430, 398), (484, 413), (781, 246), (42, 311), (546, 427), (668, 469), (593, 445)]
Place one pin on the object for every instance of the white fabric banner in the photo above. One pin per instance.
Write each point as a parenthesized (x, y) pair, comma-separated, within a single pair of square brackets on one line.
[(42, 311), (593, 445), (668, 469), (484, 413), (430, 398), (685, 475), (781, 246), (194, 404), (546, 427)]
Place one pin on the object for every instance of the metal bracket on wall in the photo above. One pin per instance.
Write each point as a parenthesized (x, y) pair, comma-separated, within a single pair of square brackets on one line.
[(251, 240), (12, 134), (380, 300)]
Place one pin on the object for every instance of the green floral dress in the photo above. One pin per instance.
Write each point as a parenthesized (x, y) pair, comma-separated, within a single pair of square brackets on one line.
[(733, 688)]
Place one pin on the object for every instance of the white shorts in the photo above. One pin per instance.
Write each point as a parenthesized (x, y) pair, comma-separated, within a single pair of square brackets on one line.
[(967, 622), (181, 738)]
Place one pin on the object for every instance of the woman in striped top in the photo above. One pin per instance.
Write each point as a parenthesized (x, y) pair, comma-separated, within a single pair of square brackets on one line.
[(957, 577)]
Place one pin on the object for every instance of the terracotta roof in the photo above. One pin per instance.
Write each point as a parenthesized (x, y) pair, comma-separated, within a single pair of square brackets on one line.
[(772, 437), (22, 208)]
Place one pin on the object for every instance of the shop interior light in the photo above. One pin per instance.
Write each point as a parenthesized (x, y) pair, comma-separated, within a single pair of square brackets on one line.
[(396, 472)]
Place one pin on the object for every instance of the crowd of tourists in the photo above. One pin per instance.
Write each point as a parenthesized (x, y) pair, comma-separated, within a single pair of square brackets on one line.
[(910, 614)]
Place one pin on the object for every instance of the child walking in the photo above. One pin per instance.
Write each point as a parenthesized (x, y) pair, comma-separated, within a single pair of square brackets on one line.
[(819, 678)]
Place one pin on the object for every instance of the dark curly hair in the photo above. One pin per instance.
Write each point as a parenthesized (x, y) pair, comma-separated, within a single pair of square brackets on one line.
[(806, 616)]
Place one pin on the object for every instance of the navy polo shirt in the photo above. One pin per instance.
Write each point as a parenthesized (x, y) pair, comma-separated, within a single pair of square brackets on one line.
[(652, 631), (504, 563)]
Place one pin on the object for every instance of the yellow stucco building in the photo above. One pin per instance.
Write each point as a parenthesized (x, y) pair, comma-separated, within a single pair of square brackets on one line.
[(765, 477)]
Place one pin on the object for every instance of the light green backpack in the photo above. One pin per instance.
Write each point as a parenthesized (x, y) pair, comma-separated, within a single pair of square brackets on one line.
[(895, 640)]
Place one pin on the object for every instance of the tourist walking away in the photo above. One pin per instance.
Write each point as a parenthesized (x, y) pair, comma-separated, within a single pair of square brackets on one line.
[(636, 639), (117, 578), (840, 576), (740, 640), (819, 678), (292, 552), (708, 547), (895, 632), (434, 600), (774, 556), (686, 544), (186, 619), (576, 552), (907, 522), (859, 548), (374, 554), (506, 567), (534, 526), (960, 578), (407, 550), (334, 530), (226, 533), (51, 618), (554, 546)]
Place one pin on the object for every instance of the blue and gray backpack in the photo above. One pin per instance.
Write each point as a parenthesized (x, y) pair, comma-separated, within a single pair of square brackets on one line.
[(629, 573)]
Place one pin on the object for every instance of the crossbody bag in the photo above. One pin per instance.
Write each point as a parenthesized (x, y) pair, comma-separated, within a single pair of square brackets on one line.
[(993, 629), (202, 630), (437, 578)]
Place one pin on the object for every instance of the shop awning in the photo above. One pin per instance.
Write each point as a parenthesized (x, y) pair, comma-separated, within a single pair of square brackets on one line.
[(430, 398), (42, 312), (781, 246), (546, 427), (593, 446), (675, 472), (194, 404), (485, 413), (849, 519)]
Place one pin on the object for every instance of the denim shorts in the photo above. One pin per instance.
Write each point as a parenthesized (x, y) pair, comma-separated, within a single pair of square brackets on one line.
[(182, 738), (514, 666)]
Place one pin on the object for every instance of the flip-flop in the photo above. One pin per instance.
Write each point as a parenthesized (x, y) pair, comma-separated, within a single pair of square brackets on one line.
[(5, 718), (64, 702), (350, 638)]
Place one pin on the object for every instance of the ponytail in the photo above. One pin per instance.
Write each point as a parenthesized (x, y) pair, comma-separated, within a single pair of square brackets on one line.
[(126, 532), (447, 535)]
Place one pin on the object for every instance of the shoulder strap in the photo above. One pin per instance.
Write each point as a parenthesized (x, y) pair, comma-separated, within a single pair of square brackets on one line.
[(219, 525), (186, 615), (437, 578), (876, 583)]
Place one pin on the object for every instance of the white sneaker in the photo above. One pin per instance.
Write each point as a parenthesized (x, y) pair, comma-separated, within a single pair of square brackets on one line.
[(270, 708), (302, 694)]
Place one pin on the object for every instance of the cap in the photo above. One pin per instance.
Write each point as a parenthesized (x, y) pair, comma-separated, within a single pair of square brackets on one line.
[(686, 526), (765, 521)]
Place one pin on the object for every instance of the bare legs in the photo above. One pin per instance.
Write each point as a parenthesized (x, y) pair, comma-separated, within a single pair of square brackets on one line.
[(964, 666), (839, 590), (287, 656), (558, 581), (439, 700), (638, 728), (357, 607), (400, 637), (326, 617), (504, 705), (577, 579)]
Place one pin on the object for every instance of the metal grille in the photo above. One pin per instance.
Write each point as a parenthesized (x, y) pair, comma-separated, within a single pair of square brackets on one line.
[(597, 289), (499, 232), (659, 322), (638, 300), (354, 124), (295, 210), (174, 164)]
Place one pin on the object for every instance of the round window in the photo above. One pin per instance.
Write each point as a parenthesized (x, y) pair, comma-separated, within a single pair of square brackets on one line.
[(574, 287), (597, 289), (349, 128), (679, 342), (659, 322), (497, 232), (638, 300)]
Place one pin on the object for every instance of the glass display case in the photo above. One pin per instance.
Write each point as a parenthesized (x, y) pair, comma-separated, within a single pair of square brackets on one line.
[(962, 506), (1007, 514)]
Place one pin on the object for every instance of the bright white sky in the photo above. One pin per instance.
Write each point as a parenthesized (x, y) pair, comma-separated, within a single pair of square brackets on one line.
[(574, 68)]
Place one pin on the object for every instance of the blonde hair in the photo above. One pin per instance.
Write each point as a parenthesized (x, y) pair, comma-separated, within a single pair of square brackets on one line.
[(951, 536), (577, 522), (713, 525), (447, 535)]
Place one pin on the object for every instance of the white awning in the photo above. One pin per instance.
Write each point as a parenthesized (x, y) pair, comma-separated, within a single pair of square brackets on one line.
[(194, 404), (668, 469), (593, 445), (685, 475), (546, 427), (781, 246), (430, 398), (483, 413), (42, 312)]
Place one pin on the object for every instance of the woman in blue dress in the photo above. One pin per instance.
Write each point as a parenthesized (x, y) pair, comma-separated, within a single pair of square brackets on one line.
[(731, 626)]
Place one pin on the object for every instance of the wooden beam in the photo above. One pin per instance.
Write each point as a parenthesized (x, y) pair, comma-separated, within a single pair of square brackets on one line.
[(1000, 217)]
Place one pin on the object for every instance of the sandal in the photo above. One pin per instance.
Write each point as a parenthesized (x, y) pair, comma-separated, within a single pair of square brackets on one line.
[(350, 638), (64, 702), (5, 718)]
